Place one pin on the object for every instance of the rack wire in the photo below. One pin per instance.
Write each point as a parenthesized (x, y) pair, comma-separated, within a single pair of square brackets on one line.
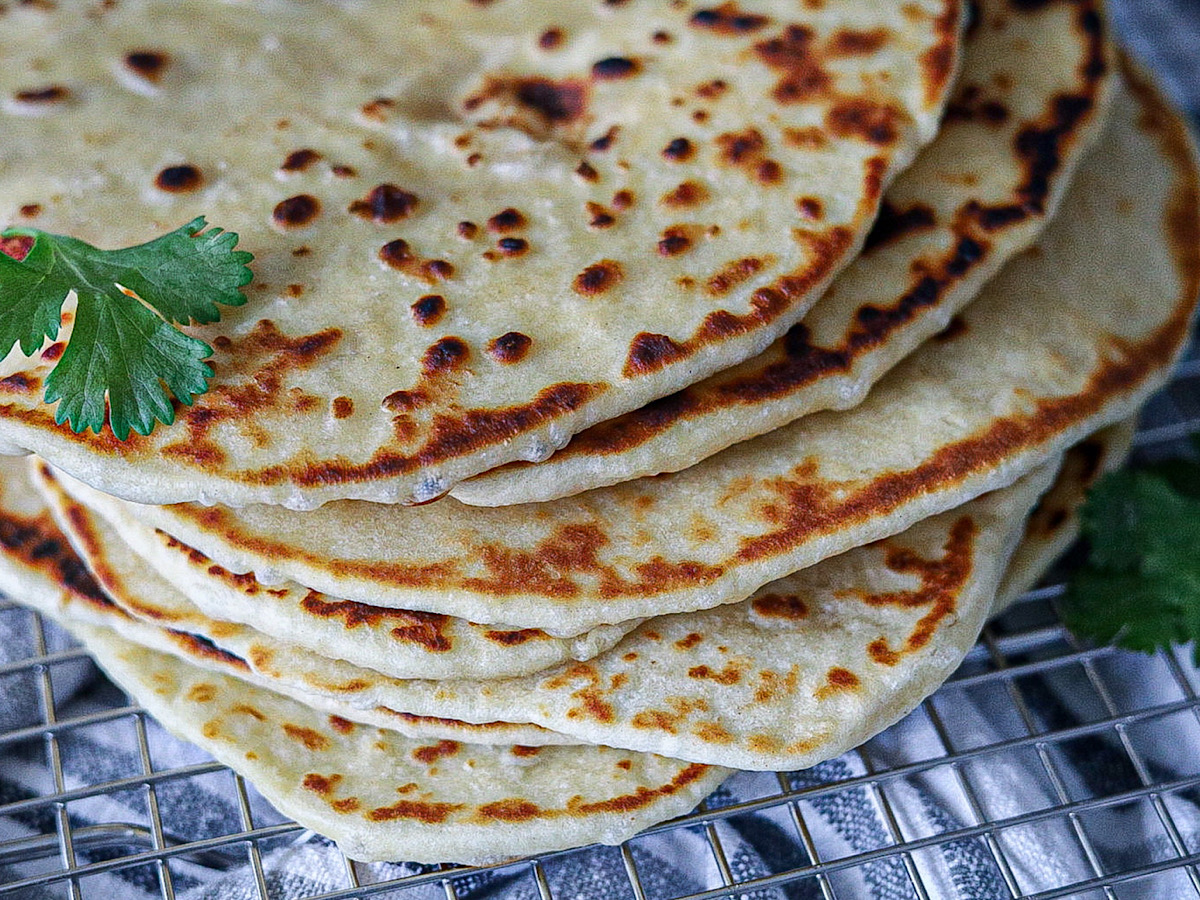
[(1041, 700), (1019, 658)]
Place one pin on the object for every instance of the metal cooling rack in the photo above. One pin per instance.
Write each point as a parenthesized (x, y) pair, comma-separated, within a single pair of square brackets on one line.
[(1018, 655), (1014, 659)]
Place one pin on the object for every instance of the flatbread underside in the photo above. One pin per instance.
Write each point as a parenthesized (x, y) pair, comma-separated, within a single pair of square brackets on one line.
[(1029, 101), (1070, 337), (456, 227)]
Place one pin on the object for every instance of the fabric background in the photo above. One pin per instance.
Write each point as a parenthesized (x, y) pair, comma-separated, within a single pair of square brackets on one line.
[(671, 863)]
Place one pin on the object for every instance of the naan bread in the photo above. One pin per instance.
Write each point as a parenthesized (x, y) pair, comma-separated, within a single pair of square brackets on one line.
[(170, 582), (1069, 338), (381, 796), (1029, 101), (1054, 523), (457, 209), (811, 665)]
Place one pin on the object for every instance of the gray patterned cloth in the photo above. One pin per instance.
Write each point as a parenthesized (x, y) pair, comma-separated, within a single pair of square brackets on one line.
[(674, 862)]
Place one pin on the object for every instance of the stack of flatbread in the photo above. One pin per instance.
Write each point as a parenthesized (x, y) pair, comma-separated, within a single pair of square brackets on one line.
[(628, 391)]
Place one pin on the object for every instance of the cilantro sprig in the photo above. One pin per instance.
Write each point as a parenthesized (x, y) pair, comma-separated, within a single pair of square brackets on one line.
[(1140, 587), (124, 353)]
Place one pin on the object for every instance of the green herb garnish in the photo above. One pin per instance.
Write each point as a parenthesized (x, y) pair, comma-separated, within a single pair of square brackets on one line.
[(124, 345), (1140, 587)]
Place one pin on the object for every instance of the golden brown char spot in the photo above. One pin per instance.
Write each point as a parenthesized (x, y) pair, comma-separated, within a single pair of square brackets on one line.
[(712, 90), (606, 140), (246, 709), (689, 641), (780, 606), (680, 149), (589, 694), (685, 194), (399, 255), (613, 68), (180, 179), (587, 172), (509, 348), (858, 117), (731, 674), (30, 210), (200, 646), (428, 310), (713, 733), (148, 64), (300, 160), (340, 725), (532, 104), (733, 274), (642, 796), (941, 582), (971, 105), (54, 93), (810, 208), (598, 278), (740, 147), (599, 216), (297, 211), (202, 693), (342, 407), (385, 204), (850, 42), (937, 61), (510, 810), (512, 246), (837, 680), (893, 223), (466, 230), (661, 37), (674, 241), (379, 109), (514, 638), (312, 740), (727, 19), (792, 55), (427, 812), (524, 752), (346, 805), (810, 138), (773, 685), (414, 626), (551, 39), (320, 784), (508, 219), (431, 754), (21, 383)]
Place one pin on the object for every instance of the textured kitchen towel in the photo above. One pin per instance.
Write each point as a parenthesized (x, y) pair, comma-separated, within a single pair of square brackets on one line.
[(856, 818)]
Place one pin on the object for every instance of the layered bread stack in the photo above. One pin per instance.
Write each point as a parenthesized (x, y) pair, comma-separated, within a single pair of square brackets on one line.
[(628, 391)]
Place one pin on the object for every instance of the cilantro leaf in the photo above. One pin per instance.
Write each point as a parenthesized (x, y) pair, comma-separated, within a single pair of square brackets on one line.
[(124, 352), (1140, 587)]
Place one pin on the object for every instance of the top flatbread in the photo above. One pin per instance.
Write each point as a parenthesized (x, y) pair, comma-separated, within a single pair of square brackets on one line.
[(1072, 336), (467, 217), (1029, 101)]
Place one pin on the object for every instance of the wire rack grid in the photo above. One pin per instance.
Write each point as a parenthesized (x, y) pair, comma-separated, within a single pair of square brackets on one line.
[(1009, 674), (999, 746)]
